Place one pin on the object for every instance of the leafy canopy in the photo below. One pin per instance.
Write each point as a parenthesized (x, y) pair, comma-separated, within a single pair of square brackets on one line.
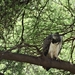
[(22, 22)]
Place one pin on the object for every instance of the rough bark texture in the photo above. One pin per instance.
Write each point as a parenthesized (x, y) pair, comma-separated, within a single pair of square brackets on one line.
[(42, 61)]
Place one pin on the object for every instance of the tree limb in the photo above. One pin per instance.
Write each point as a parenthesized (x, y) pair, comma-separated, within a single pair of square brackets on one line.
[(24, 45), (42, 61)]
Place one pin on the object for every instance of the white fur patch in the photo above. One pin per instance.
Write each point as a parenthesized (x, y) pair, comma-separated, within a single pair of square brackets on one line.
[(54, 49)]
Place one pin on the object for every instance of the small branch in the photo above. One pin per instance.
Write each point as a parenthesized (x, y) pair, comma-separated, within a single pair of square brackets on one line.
[(24, 45), (38, 50), (24, 2), (67, 7), (69, 39), (22, 26)]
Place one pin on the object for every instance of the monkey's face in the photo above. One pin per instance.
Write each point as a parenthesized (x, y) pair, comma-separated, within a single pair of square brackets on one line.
[(56, 38)]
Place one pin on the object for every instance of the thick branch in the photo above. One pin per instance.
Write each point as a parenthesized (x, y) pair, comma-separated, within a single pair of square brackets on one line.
[(42, 61)]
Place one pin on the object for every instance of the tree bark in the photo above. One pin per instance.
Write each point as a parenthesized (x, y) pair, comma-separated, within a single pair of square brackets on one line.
[(41, 60)]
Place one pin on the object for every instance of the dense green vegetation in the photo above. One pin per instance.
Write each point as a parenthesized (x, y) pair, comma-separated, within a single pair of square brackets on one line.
[(30, 22)]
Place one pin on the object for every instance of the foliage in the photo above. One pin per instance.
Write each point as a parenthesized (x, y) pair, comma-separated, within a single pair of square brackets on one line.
[(30, 23)]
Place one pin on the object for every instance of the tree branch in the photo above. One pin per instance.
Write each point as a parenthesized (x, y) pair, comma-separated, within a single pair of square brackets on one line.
[(22, 39), (42, 61), (24, 45)]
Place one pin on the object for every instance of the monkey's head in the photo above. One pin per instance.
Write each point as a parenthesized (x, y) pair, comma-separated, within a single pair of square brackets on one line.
[(56, 38)]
